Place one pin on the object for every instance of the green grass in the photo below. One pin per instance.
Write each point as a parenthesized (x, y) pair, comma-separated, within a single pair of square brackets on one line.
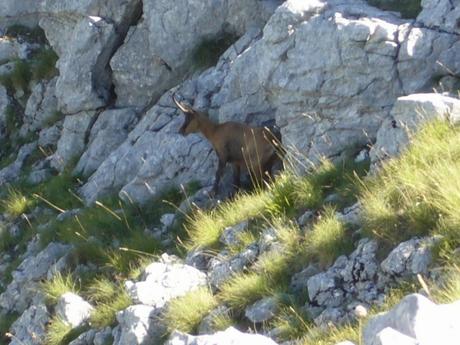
[(109, 298), (208, 52), (59, 332), (185, 313), (16, 203), (33, 35), (60, 284), (328, 238), (6, 320), (410, 196), (244, 289), (43, 64), (449, 289)]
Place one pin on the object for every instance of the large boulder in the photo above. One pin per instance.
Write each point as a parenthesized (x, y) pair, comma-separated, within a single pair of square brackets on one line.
[(159, 51), (418, 318), (228, 337), (407, 115), (76, 129), (108, 132)]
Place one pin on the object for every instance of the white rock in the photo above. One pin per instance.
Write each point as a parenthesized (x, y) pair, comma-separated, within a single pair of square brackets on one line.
[(231, 336), (419, 318), (408, 114), (389, 336), (73, 309), (138, 325), (168, 281)]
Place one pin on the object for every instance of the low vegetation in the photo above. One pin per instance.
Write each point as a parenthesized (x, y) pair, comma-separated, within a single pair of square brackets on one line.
[(185, 313)]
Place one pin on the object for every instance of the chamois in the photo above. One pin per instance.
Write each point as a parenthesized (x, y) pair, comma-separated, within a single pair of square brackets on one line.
[(251, 149)]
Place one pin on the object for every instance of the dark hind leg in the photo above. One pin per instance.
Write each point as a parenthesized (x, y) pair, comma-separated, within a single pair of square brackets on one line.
[(236, 176), (220, 170)]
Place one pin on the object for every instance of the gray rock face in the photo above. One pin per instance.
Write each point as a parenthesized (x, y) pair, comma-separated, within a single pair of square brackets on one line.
[(168, 280), (138, 325), (73, 138), (230, 234), (227, 337), (49, 137), (418, 318), (222, 267), (409, 113), (23, 289), (158, 52), (409, 258), (73, 309), (263, 310), (108, 132), (440, 14), (349, 281), (12, 172), (207, 325), (41, 107), (76, 86), (153, 158), (30, 328), (4, 102)]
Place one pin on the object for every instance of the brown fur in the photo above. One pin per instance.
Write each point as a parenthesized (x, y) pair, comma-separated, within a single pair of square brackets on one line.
[(247, 148)]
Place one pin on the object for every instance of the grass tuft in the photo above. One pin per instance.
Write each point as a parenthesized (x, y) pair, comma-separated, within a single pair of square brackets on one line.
[(109, 298), (185, 313), (16, 203), (60, 284)]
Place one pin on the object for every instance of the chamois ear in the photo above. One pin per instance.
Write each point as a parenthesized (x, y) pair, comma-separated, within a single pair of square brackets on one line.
[(182, 106)]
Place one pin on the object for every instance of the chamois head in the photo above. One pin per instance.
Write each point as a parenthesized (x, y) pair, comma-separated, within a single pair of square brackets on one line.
[(191, 124)]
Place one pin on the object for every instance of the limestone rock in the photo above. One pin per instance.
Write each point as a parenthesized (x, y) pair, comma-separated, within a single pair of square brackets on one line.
[(440, 14), (73, 138), (41, 107), (30, 327), (389, 336), (4, 102), (108, 132), (167, 280), (49, 137), (419, 318), (409, 258), (409, 113), (12, 172), (26, 278), (138, 325), (230, 234), (227, 337), (73, 309), (263, 310), (222, 267)]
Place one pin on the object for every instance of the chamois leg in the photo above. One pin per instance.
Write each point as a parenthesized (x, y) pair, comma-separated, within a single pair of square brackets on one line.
[(220, 170), (236, 176)]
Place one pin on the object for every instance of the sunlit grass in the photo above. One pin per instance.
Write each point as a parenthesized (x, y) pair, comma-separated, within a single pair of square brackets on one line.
[(185, 313), (109, 298), (16, 203), (54, 288), (418, 193)]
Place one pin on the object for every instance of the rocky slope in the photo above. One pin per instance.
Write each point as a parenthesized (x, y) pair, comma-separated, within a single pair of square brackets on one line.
[(88, 94)]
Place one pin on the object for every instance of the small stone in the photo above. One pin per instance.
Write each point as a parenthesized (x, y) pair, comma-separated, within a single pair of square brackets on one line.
[(73, 309), (263, 310)]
